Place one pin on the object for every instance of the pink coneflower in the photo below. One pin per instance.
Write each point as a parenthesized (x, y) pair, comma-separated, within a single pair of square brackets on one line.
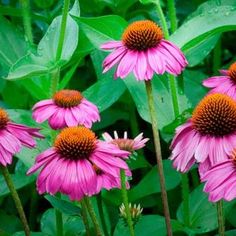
[(13, 136), (208, 137), (221, 180), (143, 51), (125, 143), (67, 108), (226, 83), (71, 165)]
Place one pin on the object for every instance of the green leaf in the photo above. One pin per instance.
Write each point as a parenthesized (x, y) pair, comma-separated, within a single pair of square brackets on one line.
[(150, 182), (44, 61), (22, 233), (63, 206), (9, 223), (146, 226), (208, 22), (203, 217), (73, 226)]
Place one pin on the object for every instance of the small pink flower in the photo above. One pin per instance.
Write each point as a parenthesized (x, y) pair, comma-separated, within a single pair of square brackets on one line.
[(13, 136), (79, 165), (226, 83), (125, 143), (67, 108), (208, 137), (221, 180), (143, 51)]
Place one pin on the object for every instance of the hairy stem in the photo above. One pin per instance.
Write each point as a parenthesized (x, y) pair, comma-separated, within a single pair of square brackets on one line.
[(158, 156), (27, 20), (93, 216), (126, 202), (172, 15), (101, 214), (16, 199), (85, 217), (220, 214), (63, 29)]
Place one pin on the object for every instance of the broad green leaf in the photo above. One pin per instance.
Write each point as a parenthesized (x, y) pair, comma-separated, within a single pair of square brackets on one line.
[(31, 234), (146, 226), (203, 217), (63, 206), (44, 61), (73, 226), (150, 182), (219, 18), (9, 223)]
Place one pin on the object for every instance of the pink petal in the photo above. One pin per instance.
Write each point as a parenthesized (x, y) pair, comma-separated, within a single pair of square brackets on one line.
[(111, 44)]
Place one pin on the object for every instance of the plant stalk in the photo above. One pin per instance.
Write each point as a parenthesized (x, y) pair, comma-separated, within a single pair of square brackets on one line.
[(16, 199), (59, 221), (172, 15), (27, 20), (158, 156), (85, 217), (101, 214), (220, 215), (63, 29), (126, 202), (93, 216), (174, 96)]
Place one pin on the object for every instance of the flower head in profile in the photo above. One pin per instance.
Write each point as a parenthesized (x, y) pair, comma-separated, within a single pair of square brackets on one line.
[(13, 136), (143, 51), (67, 108), (208, 137), (221, 180), (226, 83), (125, 143), (79, 164)]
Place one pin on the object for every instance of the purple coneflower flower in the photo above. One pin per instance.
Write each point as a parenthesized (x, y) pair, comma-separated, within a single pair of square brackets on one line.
[(143, 51), (13, 136), (221, 180), (76, 161), (67, 108), (125, 143), (226, 83), (208, 137)]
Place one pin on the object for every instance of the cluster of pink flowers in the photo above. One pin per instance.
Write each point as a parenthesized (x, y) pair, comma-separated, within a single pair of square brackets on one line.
[(209, 138)]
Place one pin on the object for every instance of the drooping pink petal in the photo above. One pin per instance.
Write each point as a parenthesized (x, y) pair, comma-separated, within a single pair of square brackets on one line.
[(212, 82), (43, 103), (111, 44)]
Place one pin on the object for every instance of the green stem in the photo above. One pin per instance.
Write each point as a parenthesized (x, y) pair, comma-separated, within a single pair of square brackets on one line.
[(158, 155), (185, 196), (63, 29), (217, 57), (172, 15), (175, 103), (220, 214), (55, 81), (101, 214), (59, 220), (85, 217), (16, 199), (93, 216), (27, 20), (126, 201), (174, 95), (163, 20)]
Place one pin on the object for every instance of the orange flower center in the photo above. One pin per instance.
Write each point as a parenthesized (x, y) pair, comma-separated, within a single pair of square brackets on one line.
[(232, 72), (3, 118), (124, 144), (215, 115), (75, 143), (67, 98), (142, 35)]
